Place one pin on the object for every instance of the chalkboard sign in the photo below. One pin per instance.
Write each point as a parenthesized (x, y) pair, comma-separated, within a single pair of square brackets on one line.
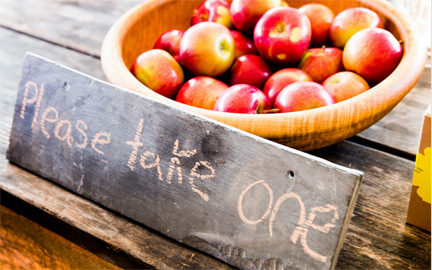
[(250, 202)]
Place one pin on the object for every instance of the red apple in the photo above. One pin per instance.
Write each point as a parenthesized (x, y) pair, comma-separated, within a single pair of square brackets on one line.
[(217, 11), (300, 96), (250, 69), (373, 53), (207, 48), (243, 44), (321, 63), (246, 13), (321, 18), (169, 41), (349, 22), (344, 85), (282, 35), (282, 78), (201, 92), (242, 98), (159, 71)]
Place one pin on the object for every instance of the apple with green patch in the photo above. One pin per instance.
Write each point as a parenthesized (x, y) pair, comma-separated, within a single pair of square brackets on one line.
[(217, 11), (207, 49), (373, 53), (349, 22), (159, 71), (282, 35)]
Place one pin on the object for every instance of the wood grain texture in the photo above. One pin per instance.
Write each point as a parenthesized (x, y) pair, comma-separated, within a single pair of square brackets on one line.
[(27, 245), (75, 24), (303, 130), (370, 243), (67, 30), (156, 249), (118, 232), (12, 56), (378, 236), (400, 129), (180, 183)]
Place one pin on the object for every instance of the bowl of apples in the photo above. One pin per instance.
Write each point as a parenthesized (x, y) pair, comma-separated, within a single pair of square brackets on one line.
[(301, 73)]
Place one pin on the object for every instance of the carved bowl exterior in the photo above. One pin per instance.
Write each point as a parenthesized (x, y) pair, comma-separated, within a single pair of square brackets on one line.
[(138, 29)]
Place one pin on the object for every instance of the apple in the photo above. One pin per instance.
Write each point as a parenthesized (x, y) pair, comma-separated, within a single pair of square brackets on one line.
[(169, 41), (207, 48), (373, 53), (159, 71), (201, 92), (243, 98), (282, 35), (250, 69), (300, 96), (321, 63), (243, 44), (349, 22), (217, 11), (246, 13), (345, 84), (321, 18), (282, 78)]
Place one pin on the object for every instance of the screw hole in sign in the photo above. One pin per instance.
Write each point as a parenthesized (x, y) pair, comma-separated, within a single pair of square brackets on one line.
[(66, 87), (290, 174)]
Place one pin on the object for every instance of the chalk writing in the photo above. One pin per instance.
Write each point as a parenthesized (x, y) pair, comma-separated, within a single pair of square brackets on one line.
[(303, 225), (194, 174), (82, 132), (156, 164), (240, 203), (67, 135), (50, 120), (302, 229), (175, 167), (62, 129), (136, 143), (100, 138)]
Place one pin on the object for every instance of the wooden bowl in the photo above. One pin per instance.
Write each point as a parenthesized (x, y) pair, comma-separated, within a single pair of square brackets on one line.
[(137, 30)]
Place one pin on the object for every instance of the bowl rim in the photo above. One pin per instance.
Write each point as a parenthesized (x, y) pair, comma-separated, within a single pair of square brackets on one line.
[(357, 113)]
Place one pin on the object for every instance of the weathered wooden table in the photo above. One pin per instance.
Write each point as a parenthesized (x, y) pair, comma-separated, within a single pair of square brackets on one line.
[(45, 226)]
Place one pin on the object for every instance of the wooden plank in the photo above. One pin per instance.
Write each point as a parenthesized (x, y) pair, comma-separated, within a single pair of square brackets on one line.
[(114, 230), (27, 245), (11, 57), (138, 242), (359, 250), (181, 174), (75, 24), (378, 236), (82, 25), (400, 129)]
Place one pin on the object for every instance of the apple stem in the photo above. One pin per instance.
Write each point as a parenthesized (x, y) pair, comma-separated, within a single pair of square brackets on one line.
[(275, 110), (323, 48)]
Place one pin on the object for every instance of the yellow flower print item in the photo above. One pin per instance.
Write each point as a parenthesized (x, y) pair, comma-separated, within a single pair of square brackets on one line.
[(422, 175)]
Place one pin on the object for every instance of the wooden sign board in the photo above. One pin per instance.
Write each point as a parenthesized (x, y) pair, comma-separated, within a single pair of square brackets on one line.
[(246, 200)]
